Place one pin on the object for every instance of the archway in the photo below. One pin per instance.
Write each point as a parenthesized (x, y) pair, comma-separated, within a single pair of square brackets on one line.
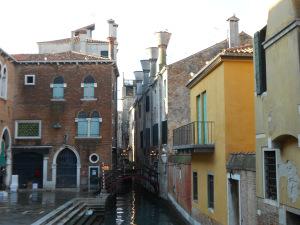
[(5, 158), (66, 169)]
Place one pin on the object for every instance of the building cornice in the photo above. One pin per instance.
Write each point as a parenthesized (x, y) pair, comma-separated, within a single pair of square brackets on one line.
[(270, 41)]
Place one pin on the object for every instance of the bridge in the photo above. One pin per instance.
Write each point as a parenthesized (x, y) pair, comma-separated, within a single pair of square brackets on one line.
[(144, 175)]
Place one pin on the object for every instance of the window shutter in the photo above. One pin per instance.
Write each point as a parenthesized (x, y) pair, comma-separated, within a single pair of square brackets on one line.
[(82, 127), (155, 135), (89, 90), (58, 91), (95, 127), (164, 127), (260, 61)]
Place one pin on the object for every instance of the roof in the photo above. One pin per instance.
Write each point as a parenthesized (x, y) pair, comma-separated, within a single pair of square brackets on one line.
[(197, 61), (6, 55), (241, 161), (88, 27), (71, 56), (244, 52)]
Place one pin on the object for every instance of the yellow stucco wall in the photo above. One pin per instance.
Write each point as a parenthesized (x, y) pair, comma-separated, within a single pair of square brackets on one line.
[(239, 106), (230, 104)]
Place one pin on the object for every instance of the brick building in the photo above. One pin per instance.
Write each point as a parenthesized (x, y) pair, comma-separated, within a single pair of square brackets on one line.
[(62, 129), (7, 76)]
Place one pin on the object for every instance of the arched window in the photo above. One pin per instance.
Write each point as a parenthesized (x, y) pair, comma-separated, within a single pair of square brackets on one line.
[(89, 85), (3, 82), (88, 127), (58, 87), (95, 124)]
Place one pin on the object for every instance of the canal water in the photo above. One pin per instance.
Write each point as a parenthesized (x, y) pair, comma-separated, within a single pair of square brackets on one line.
[(138, 207)]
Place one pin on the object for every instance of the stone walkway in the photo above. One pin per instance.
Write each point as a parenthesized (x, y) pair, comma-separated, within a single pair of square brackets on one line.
[(27, 207)]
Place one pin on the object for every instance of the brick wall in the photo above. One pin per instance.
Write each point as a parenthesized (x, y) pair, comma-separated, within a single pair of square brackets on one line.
[(34, 103)]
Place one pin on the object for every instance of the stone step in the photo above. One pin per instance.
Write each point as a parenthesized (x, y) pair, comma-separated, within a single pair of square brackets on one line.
[(68, 217)]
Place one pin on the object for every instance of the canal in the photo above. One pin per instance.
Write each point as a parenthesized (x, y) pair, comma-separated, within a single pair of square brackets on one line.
[(138, 207)]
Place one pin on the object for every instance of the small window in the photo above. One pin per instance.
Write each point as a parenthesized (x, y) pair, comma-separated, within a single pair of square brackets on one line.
[(164, 132), (89, 85), (195, 186), (28, 129), (155, 135), (104, 54), (30, 79), (147, 103), (58, 87), (270, 175), (210, 191), (94, 158)]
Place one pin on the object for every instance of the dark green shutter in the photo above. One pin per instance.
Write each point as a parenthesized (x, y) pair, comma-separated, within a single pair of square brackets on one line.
[(260, 61), (164, 128)]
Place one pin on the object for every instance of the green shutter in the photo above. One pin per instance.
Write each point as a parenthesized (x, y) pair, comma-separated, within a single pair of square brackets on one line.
[(2, 154)]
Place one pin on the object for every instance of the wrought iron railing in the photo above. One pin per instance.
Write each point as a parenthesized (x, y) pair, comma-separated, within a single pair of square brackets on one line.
[(195, 133)]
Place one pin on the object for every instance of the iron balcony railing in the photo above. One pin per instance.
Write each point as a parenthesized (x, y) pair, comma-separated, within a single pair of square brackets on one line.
[(195, 133)]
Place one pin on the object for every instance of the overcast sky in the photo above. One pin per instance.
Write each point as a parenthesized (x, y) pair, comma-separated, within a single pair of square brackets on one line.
[(194, 24)]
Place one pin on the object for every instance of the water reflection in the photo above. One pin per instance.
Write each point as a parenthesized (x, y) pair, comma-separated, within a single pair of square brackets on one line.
[(139, 208)]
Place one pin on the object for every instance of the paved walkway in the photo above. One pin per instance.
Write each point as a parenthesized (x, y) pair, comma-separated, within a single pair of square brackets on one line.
[(26, 207)]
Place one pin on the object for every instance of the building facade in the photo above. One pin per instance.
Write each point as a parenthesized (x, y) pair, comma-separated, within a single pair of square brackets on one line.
[(7, 86), (277, 72), (222, 108)]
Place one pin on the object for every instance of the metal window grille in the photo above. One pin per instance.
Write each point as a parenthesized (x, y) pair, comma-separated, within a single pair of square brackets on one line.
[(28, 129), (270, 175), (210, 191)]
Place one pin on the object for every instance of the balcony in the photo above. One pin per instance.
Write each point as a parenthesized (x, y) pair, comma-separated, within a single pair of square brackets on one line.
[(195, 137)]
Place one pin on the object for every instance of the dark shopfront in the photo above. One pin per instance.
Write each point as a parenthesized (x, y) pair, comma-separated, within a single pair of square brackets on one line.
[(28, 164)]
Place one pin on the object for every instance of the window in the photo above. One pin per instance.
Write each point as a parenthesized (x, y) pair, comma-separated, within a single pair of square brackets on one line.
[(210, 191), (3, 82), (164, 133), (88, 127), (58, 88), (270, 174), (141, 139), (147, 137), (195, 186), (29, 79), (147, 103), (89, 85), (28, 129), (155, 135), (104, 54)]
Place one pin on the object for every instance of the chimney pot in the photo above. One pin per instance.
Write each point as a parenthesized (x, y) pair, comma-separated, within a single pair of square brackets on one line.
[(162, 38)]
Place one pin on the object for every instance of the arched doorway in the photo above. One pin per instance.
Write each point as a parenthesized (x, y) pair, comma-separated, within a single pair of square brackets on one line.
[(66, 169), (29, 167), (5, 159)]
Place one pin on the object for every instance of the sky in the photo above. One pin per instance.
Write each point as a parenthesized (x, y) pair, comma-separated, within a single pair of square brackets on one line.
[(194, 24)]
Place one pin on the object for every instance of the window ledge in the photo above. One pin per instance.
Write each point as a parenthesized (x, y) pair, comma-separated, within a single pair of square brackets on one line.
[(88, 137), (3, 98), (28, 138), (89, 99), (211, 210), (270, 202), (58, 100)]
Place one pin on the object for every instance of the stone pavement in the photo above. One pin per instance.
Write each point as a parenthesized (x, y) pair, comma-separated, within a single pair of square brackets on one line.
[(28, 206)]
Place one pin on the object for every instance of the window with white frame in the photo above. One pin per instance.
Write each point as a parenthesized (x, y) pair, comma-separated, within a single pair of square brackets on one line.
[(29, 79), (88, 126), (3, 81), (270, 177), (28, 129), (58, 86), (89, 85)]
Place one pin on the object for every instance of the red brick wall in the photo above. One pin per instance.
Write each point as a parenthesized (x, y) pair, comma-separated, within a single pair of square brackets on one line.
[(34, 103)]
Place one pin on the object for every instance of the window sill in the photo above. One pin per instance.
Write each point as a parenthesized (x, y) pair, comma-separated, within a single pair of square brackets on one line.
[(27, 138), (211, 210), (270, 202), (58, 100), (3, 98), (88, 99), (88, 137)]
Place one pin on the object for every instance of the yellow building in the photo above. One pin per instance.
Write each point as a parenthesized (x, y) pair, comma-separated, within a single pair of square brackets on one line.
[(277, 64), (222, 106)]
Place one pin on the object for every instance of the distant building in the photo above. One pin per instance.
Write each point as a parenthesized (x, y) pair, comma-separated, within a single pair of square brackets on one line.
[(277, 70), (82, 41)]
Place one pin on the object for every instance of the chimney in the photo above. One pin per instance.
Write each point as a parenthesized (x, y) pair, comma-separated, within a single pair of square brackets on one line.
[(82, 42), (112, 39), (146, 70), (162, 39), (139, 80), (152, 53), (234, 39)]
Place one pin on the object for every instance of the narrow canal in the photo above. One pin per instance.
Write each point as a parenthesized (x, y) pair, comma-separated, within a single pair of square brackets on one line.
[(138, 207)]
